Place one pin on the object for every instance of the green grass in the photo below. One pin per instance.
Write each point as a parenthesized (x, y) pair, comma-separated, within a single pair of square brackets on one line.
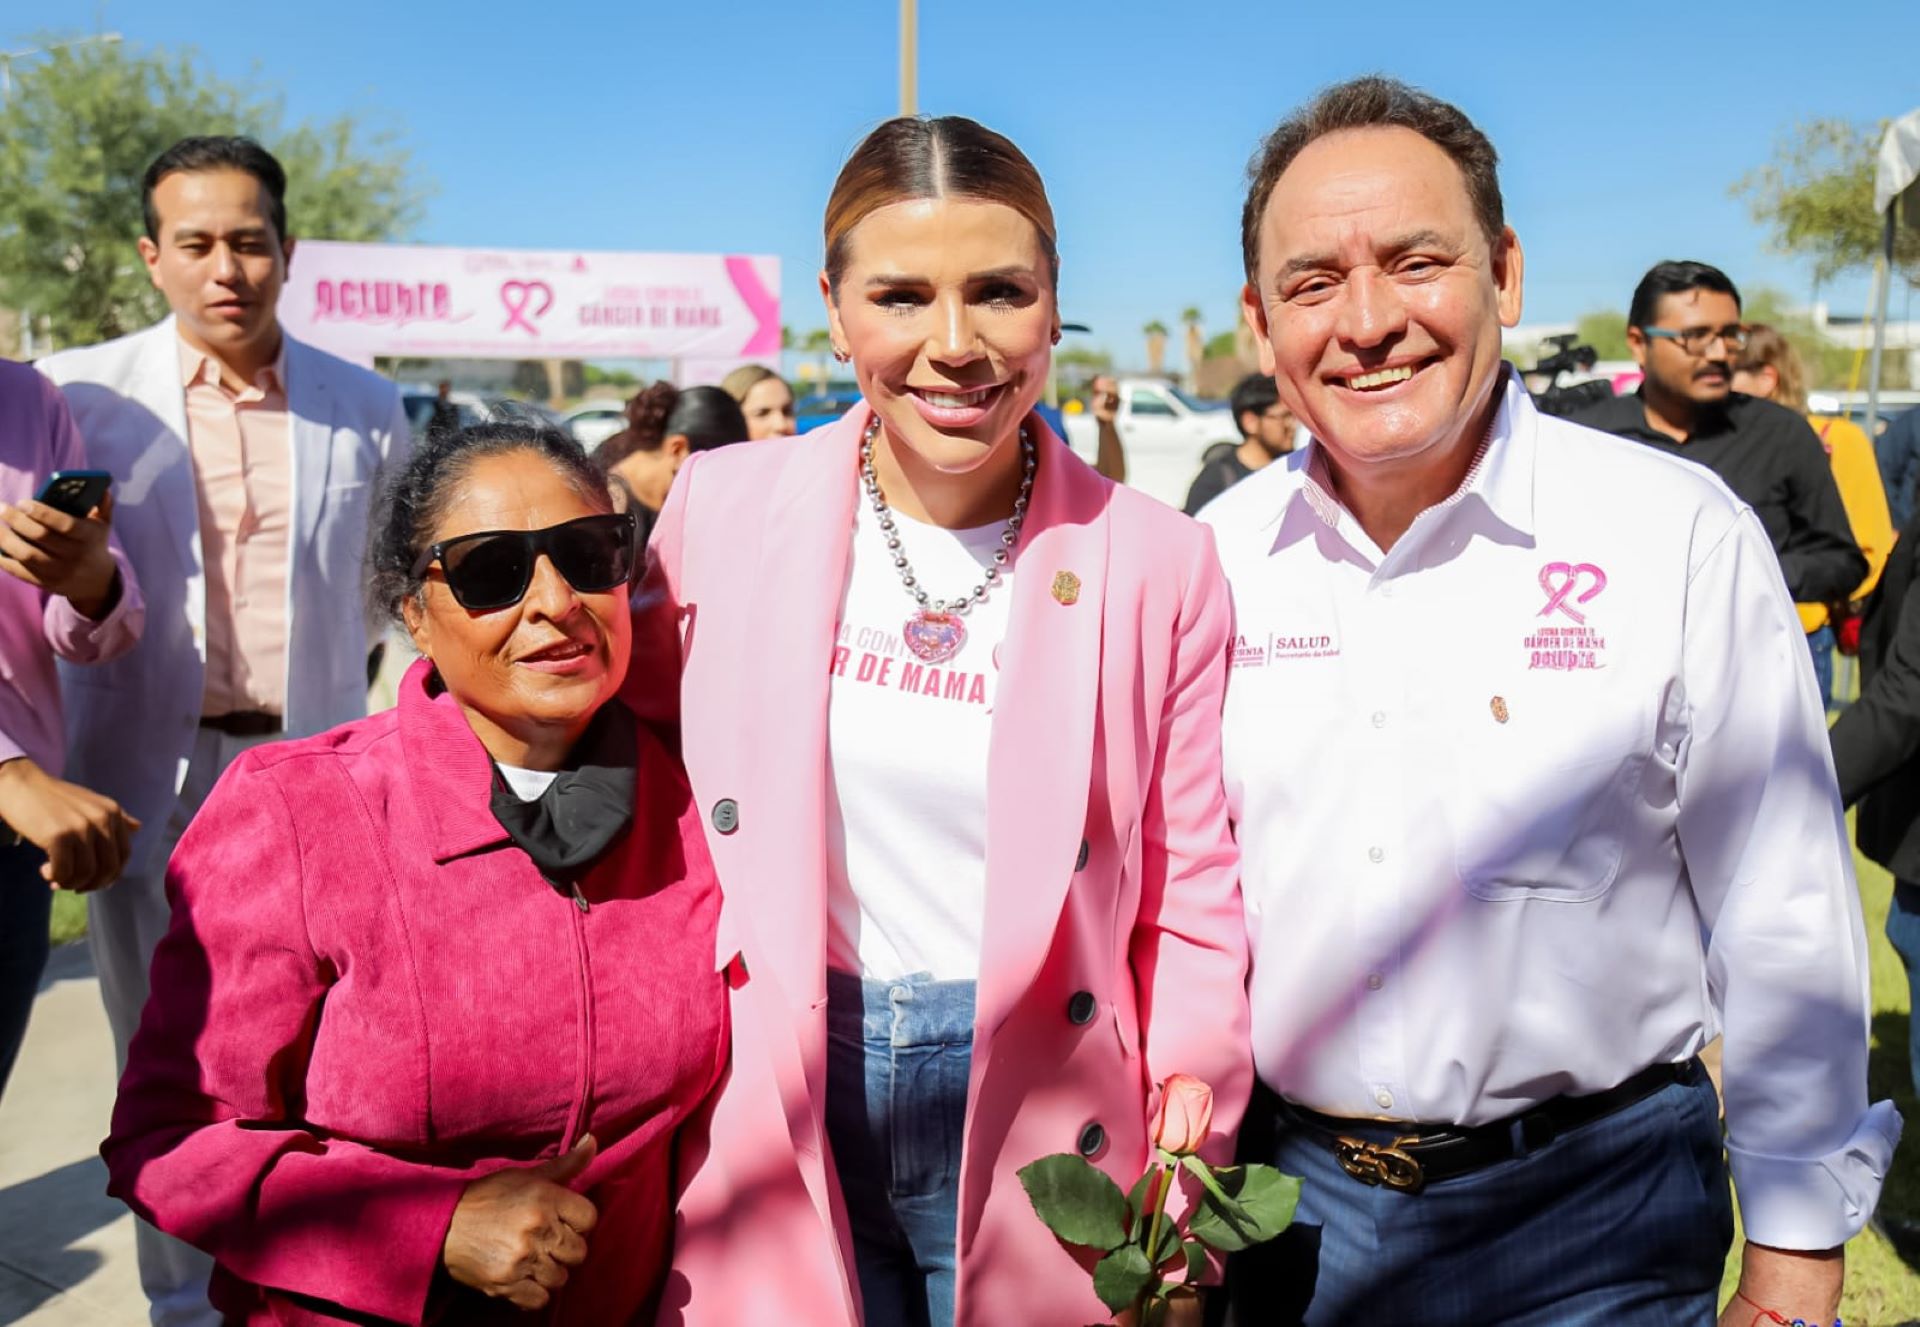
[(1882, 1289)]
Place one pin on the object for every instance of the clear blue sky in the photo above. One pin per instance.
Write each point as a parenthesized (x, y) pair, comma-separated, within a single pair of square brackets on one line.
[(718, 125)]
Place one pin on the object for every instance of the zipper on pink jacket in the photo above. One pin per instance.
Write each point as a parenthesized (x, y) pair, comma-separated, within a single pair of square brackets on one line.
[(583, 1089)]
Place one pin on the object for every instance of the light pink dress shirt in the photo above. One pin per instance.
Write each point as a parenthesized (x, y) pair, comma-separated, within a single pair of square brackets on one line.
[(37, 437), (242, 458)]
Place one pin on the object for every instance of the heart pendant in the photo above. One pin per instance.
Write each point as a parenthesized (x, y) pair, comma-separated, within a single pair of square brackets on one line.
[(934, 637)]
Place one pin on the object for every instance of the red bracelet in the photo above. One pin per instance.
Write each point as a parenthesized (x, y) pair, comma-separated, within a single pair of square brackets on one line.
[(1774, 1316)]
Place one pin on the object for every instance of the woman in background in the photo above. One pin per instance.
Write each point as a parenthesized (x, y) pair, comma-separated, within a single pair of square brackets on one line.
[(1771, 368), (665, 425), (765, 398)]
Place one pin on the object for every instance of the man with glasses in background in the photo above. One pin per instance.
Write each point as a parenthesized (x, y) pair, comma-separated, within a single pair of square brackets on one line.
[(1684, 330), (1267, 431)]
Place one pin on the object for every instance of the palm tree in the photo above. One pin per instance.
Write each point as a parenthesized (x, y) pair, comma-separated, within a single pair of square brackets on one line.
[(819, 342), (1156, 333), (1196, 340)]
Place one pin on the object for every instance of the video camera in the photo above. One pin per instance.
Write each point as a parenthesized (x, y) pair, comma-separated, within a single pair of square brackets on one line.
[(1565, 357)]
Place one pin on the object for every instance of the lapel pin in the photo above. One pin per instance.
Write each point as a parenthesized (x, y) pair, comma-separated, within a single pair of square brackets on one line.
[(1066, 587), (1499, 707)]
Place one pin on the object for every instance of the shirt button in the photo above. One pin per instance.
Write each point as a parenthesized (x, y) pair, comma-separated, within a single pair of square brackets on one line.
[(1375, 981), (241, 602), (1092, 1139), (1080, 1008), (1383, 1099), (1379, 718), (1386, 591), (1376, 855), (726, 815)]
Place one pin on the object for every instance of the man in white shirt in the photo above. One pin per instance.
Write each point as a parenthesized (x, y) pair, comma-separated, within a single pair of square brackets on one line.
[(1534, 798)]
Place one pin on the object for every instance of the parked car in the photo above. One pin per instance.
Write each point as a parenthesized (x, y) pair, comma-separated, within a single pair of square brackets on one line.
[(1164, 432), (593, 422), (508, 409), (420, 401), (810, 412)]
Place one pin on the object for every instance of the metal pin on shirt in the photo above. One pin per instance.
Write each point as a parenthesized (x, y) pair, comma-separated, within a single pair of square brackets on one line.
[(1499, 707), (1066, 587)]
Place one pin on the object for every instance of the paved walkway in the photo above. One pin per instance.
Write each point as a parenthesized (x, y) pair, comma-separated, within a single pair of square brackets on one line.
[(66, 1249)]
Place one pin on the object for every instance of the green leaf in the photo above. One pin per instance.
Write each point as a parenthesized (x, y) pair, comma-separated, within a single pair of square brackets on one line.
[(1120, 1278), (1196, 1258), (1137, 1203), (1077, 1202), (1258, 1204)]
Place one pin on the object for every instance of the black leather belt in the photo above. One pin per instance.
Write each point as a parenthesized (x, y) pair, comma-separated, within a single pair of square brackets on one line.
[(243, 723), (1419, 1154)]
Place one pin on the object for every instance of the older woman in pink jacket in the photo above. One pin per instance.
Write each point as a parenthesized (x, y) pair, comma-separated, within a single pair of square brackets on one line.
[(439, 987), (951, 706)]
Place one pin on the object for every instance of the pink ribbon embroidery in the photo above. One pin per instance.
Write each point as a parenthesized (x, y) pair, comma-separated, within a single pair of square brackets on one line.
[(1560, 579), (517, 296)]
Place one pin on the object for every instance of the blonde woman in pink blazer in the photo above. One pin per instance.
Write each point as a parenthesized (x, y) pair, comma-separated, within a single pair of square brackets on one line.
[(951, 704)]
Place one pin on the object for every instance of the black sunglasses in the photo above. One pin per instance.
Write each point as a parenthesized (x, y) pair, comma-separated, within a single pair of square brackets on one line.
[(491, 569)]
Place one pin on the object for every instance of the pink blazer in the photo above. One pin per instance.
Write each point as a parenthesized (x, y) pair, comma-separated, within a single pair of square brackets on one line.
[(1110, 868)]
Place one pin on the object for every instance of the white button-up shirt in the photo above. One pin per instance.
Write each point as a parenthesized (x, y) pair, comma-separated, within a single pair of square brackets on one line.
[(1541, 797)]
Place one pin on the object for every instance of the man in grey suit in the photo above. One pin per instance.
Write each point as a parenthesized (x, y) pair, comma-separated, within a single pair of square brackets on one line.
[(244, 464)]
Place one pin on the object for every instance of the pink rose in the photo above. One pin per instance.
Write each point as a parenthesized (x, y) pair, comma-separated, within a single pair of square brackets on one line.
[(1185, 1117)]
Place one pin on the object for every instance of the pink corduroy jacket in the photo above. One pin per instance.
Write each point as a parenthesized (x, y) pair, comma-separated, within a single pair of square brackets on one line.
[(369, 998), (1111, 870)]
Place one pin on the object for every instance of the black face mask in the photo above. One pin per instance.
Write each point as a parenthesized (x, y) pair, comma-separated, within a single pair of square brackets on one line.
[(586, 808)]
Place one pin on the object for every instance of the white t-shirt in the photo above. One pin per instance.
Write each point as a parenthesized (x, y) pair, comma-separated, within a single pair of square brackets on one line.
[(529, 785), (907, 758)]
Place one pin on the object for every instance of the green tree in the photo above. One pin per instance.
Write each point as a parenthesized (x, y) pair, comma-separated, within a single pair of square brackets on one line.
[(1606, 331), (1221, 345), (1079, 365), (1196, 336), (1816, 196), (78, 133), (1156, 334), (594, 375), (818, 342)]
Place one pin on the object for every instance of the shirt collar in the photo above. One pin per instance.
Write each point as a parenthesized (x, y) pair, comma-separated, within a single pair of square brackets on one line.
[(196, 366), (1500, 478)]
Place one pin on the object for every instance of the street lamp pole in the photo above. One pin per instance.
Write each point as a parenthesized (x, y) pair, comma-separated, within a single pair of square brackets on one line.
[(909, 57)]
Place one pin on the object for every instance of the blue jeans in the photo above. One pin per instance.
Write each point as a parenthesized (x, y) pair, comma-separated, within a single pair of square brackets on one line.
[(898, 1056), (25, 907), (1821, 643), (1903, 933), (1624, 1222)]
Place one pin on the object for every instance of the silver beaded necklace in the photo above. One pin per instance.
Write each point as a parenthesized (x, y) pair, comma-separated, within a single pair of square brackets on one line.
[(935, 634)]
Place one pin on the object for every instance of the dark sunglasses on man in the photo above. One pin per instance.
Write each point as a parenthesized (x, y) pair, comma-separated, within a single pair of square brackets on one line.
[(491, 569)]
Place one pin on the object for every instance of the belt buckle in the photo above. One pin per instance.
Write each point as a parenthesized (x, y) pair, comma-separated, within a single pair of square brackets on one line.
[(1373, 1163)]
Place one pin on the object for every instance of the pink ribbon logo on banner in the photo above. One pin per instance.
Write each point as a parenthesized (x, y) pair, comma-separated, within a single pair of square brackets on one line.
[(1561, 579), (518, 296), (764, 306)]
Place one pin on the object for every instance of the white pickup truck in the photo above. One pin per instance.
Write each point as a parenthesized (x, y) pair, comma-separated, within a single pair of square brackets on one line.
[(1164, 433)]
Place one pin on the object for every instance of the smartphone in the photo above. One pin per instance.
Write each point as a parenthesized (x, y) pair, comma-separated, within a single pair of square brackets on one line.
[(75, 492)]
